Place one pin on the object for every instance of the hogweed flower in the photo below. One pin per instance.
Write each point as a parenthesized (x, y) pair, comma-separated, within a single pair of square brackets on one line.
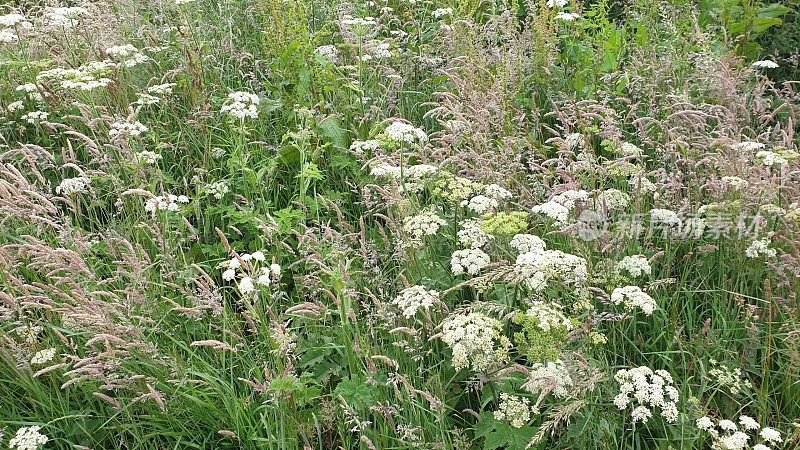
[(28, 438), (636, 265), (633, 297), (476, 341), (469, 261), (513, 409), (241, 105), (69, 186)]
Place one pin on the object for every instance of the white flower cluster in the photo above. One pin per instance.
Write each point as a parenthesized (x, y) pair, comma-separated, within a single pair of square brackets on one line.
[(633, 297), (481, 204), (771, 159), (360, 148), (85, 78), (14, 19), (665, 217), (471, 235), (165, 203), (496, 192), (731, 436), (15, 106), (735, 182), (65, 17), (241, 105), (514, 409), (628, 149), (426, 223), (127, 55), (636, 265), (127, 129), (728, 377), (560, 205), (643, 389), (642, 184), (358, 22), (469, 261), (476, 341), (549, 316), (218, 189), (765, 64), (412, 299), (525, 243), (749, 146), (441, 12), (43, 356), (553, 377), (403, 132), (28, 438), (614, 199), (329, 52), (69, 186), (147, 157), (759, 248), (35, 117), (537, 268), (264, 275)]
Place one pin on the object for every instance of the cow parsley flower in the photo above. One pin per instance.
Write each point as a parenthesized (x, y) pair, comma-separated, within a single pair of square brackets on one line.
[(148, 157), (28, 438), (127, 129), (43, 356), (567, 16), (69, 186), (426, 223), (759, 248), (328, 52), (636, 265), (471, 235), (442, 12), (412, 299), (552, 377), (35, 117), (170, 203), (735, 183), (524, 243), (127, 55), (241, 105), (476, 341), (633, 297), (470, 261), (217, 189), (765, 64), (771, 159), (537, 268), (727, 435), (643, 390), (403, 132), (554, 210), (549, 316), (480, 204), (513, 409)]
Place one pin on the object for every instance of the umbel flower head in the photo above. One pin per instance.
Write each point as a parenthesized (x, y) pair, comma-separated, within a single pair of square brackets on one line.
[(476, 341), (642, 389)]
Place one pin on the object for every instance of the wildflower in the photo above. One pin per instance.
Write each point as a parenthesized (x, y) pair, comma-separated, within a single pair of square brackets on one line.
[(246, 285), (43, 356), (749, 146), (15, 106), (470, 261), (275, 269), (241, 105), (329, 52), (705, 423), (8, 36), (412, 299), (360, 148), (65, 17), (165, 203), (516, 410), (229, 275), (636, 265), (771, 435), (426, 223), (35, 117), (161, 89), (127, 129), (505, 223), (148, 157), (69, 186), (12, 20), (475, 341), (85, 78), (771, 159), (765, 64), (217, 189), (553, 377), (549, 316), (441, 12), (28, 438), (760, 247), (403, 132), (748, 423), (480, 204), (633, 297), (535, 269), (127, 55), (735, 182), (567, 16), (471, 235), (524, 243), (614, 199), (554, 210), (557, 3), (645, 389)]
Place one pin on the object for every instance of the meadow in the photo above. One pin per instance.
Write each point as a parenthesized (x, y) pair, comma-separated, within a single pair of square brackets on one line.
[(399, 224)]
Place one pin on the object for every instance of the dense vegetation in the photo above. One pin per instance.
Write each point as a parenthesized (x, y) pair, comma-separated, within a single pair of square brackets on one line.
[(434, 224)]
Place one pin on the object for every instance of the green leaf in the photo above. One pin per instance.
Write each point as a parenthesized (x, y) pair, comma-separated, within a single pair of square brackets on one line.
[(332, 131)]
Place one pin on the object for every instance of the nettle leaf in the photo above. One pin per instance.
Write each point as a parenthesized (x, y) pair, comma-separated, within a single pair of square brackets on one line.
[(332, 131), (500, 434)]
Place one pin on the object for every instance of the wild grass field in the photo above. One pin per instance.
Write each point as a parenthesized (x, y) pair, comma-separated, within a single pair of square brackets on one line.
[(399, 224)]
